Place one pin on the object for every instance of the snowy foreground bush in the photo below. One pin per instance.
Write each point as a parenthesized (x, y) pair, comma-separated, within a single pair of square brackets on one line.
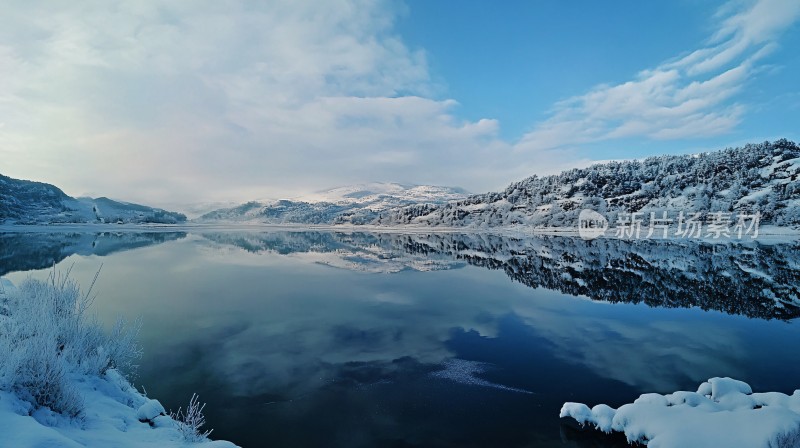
[(61, 375), (722, 413)]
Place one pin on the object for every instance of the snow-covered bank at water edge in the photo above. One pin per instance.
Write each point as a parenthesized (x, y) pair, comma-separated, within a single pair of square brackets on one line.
[(722, 413), (110, 418), (59, 380)]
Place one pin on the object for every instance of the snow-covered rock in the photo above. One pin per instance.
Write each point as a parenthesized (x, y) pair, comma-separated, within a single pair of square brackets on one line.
[(722, 413), (150, 410)]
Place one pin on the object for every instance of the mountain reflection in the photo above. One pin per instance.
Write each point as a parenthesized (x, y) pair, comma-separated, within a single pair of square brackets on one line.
[(750, 279), (40, 250)]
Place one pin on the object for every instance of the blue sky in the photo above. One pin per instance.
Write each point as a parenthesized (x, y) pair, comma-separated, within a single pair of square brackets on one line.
[(167, 102), (514, 61)]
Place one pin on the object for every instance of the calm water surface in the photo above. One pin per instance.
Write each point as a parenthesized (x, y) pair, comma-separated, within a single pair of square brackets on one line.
[(307, 339)]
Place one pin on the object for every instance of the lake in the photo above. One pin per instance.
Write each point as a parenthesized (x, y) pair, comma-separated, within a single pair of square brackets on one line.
[(308, 339)]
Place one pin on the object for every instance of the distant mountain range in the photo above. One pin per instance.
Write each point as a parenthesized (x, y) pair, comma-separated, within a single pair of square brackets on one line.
[(356, 204), (757, 178), (28, 202)]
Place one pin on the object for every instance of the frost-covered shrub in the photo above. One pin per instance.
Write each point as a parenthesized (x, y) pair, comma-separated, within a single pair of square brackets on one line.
[(41, 377), (47, 336), (190, 421)]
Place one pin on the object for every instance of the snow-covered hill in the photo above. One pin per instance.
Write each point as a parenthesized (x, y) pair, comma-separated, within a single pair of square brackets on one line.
[(759, 178), (356, 204), (108, 210), (28, 202)]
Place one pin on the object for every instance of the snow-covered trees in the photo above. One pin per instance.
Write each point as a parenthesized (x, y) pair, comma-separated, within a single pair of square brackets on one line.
[(757, 177)]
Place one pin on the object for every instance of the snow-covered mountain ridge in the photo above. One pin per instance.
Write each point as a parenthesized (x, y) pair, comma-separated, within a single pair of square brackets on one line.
[(356, 204), (28, 202), (757, 178), (381, 195)]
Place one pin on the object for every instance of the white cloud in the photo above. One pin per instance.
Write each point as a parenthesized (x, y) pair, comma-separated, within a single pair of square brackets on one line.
[(692, 96), (165, 101)]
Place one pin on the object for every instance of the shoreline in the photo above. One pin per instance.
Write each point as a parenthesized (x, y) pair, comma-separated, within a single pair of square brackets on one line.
[(767, 233), (84, 406)]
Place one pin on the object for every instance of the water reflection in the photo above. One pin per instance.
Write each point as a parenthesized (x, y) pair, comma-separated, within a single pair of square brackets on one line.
[(289, 352), (366, 252), (39, 250), (754, 280)]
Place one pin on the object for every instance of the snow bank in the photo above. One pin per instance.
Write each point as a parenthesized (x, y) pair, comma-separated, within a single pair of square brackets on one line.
[(723, 412), (109, 419), (99, 407)]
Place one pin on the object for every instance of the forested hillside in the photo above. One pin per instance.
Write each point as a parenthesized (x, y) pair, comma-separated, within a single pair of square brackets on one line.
[(760, 178)]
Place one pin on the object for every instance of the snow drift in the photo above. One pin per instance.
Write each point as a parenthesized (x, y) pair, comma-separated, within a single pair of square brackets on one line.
[(722, 413)]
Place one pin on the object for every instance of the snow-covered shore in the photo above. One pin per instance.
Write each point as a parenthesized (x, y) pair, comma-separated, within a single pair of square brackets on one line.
[(99, 407), (109, 419), (722, 413)]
